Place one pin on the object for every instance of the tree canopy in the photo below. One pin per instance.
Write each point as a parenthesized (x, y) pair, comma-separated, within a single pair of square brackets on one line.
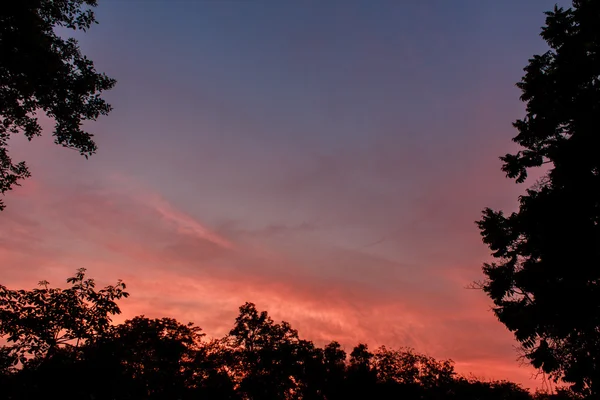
[(44, 73), (38, 322), (545, 280), (61, 344)]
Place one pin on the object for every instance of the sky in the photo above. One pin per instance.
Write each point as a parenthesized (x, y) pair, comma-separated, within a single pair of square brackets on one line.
[(325, 160)]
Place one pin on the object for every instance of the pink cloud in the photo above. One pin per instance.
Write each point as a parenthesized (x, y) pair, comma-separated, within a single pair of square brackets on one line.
[(177, 265), (185, 223)]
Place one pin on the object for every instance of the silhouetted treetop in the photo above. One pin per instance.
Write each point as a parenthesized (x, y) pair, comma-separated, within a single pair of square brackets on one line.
[(42, 72), (561, 90), (545, 281), (38, 322)]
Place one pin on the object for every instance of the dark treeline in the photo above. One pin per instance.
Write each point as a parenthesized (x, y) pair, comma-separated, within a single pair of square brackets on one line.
[(61, 344)]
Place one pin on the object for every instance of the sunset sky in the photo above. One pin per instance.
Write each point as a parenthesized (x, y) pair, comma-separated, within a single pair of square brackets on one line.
[(325, 160)]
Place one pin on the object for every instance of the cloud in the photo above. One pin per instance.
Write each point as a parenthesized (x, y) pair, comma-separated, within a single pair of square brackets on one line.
[(178, 265), (186, 224)]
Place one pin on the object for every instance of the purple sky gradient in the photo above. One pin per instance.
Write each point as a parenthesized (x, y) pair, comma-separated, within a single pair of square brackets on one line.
[(323, 159)]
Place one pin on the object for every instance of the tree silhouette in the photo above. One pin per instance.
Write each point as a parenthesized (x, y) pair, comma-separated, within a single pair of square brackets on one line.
[(334, 360), (268, 353), (152, 358), (212, 373), (38, 322), (163, 359), (41, 72), (545, 282), (407, 373), (473, 389), (360, 376)]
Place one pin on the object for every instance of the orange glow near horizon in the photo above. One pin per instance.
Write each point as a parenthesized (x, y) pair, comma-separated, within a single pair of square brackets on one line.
[(180, 268)]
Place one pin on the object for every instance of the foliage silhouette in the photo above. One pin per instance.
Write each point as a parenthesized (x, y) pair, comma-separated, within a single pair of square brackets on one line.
[(37, 323), (145, 358), (41, 72), (545, 282)]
